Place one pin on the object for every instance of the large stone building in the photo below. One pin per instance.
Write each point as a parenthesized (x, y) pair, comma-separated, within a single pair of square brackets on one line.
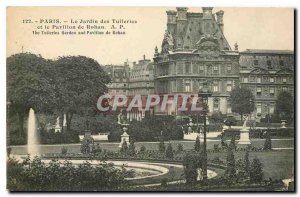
[(267, 73), (195, 50), (132, 79), (119, 75), (141, 78)]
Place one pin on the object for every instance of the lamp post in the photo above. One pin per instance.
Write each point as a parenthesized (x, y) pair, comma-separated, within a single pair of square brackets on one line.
[(204, 94)]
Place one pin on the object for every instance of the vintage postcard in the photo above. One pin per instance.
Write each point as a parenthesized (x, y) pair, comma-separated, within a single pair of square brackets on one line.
[(150, 99)]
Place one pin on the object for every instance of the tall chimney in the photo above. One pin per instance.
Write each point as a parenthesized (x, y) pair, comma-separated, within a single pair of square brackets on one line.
[(220, 15), (181, 24), (171, 24)]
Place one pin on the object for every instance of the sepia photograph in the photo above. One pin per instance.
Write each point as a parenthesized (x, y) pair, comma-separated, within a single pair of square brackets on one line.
[(151, 99)]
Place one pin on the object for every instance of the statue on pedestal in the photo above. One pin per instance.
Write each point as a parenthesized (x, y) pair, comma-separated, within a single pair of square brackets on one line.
[(244, 134), (57, 127)]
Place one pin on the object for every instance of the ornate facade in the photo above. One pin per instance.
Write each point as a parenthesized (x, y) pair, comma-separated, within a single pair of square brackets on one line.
[(195, 50), (119, 75), (267, 73), (141, 78)]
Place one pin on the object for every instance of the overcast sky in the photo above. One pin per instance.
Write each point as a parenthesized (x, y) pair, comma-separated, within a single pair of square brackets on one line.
[(251, 28)]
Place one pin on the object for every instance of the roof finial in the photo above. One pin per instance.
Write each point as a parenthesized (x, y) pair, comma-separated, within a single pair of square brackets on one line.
[(236, 46)]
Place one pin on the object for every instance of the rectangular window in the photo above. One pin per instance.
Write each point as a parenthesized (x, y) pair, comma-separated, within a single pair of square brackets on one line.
[(284, 88), (216, 86), (272, 79), (258, 108), (229, 86), (187, 85), (228, 68), (258, 91), (188, 67), (284, 79), (272, 108), (258, 80), (255, 62), (272, 91), (245, 79), (281, 62), (216, 105), (229, 107), (216, 69), (201, 68)]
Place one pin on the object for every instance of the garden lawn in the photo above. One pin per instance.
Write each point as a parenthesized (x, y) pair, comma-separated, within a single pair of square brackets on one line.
[(277, 164)]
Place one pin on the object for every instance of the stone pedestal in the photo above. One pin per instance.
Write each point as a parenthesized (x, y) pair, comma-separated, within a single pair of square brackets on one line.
[(57, 129), (244, 136), (283, 124), (124, 137)]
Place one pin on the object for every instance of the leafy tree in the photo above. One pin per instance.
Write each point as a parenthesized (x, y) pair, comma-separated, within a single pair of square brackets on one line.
[(230, 121), (230, 161), (26, 86), (78, 81), (242, 101), (131, 148), (268, 142), (256, 171), (197, 145), (169, 152), (284, 107), (161, 145), (232, 144)]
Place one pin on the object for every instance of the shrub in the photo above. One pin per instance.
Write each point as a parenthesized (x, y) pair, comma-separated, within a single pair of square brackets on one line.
[(124, 147), (164, 182), (217, 160), (131, 149), (247, 162), (197, 145), (232, 144), (230, 121), (142, 149), (161, 145), (64, 150), (179, 148), (97, 149), (230, 161), (86, 145), (256, 171), (241, 175), (268, 142), (191, 166), (35, 175), (169, 152), (216, 148)]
